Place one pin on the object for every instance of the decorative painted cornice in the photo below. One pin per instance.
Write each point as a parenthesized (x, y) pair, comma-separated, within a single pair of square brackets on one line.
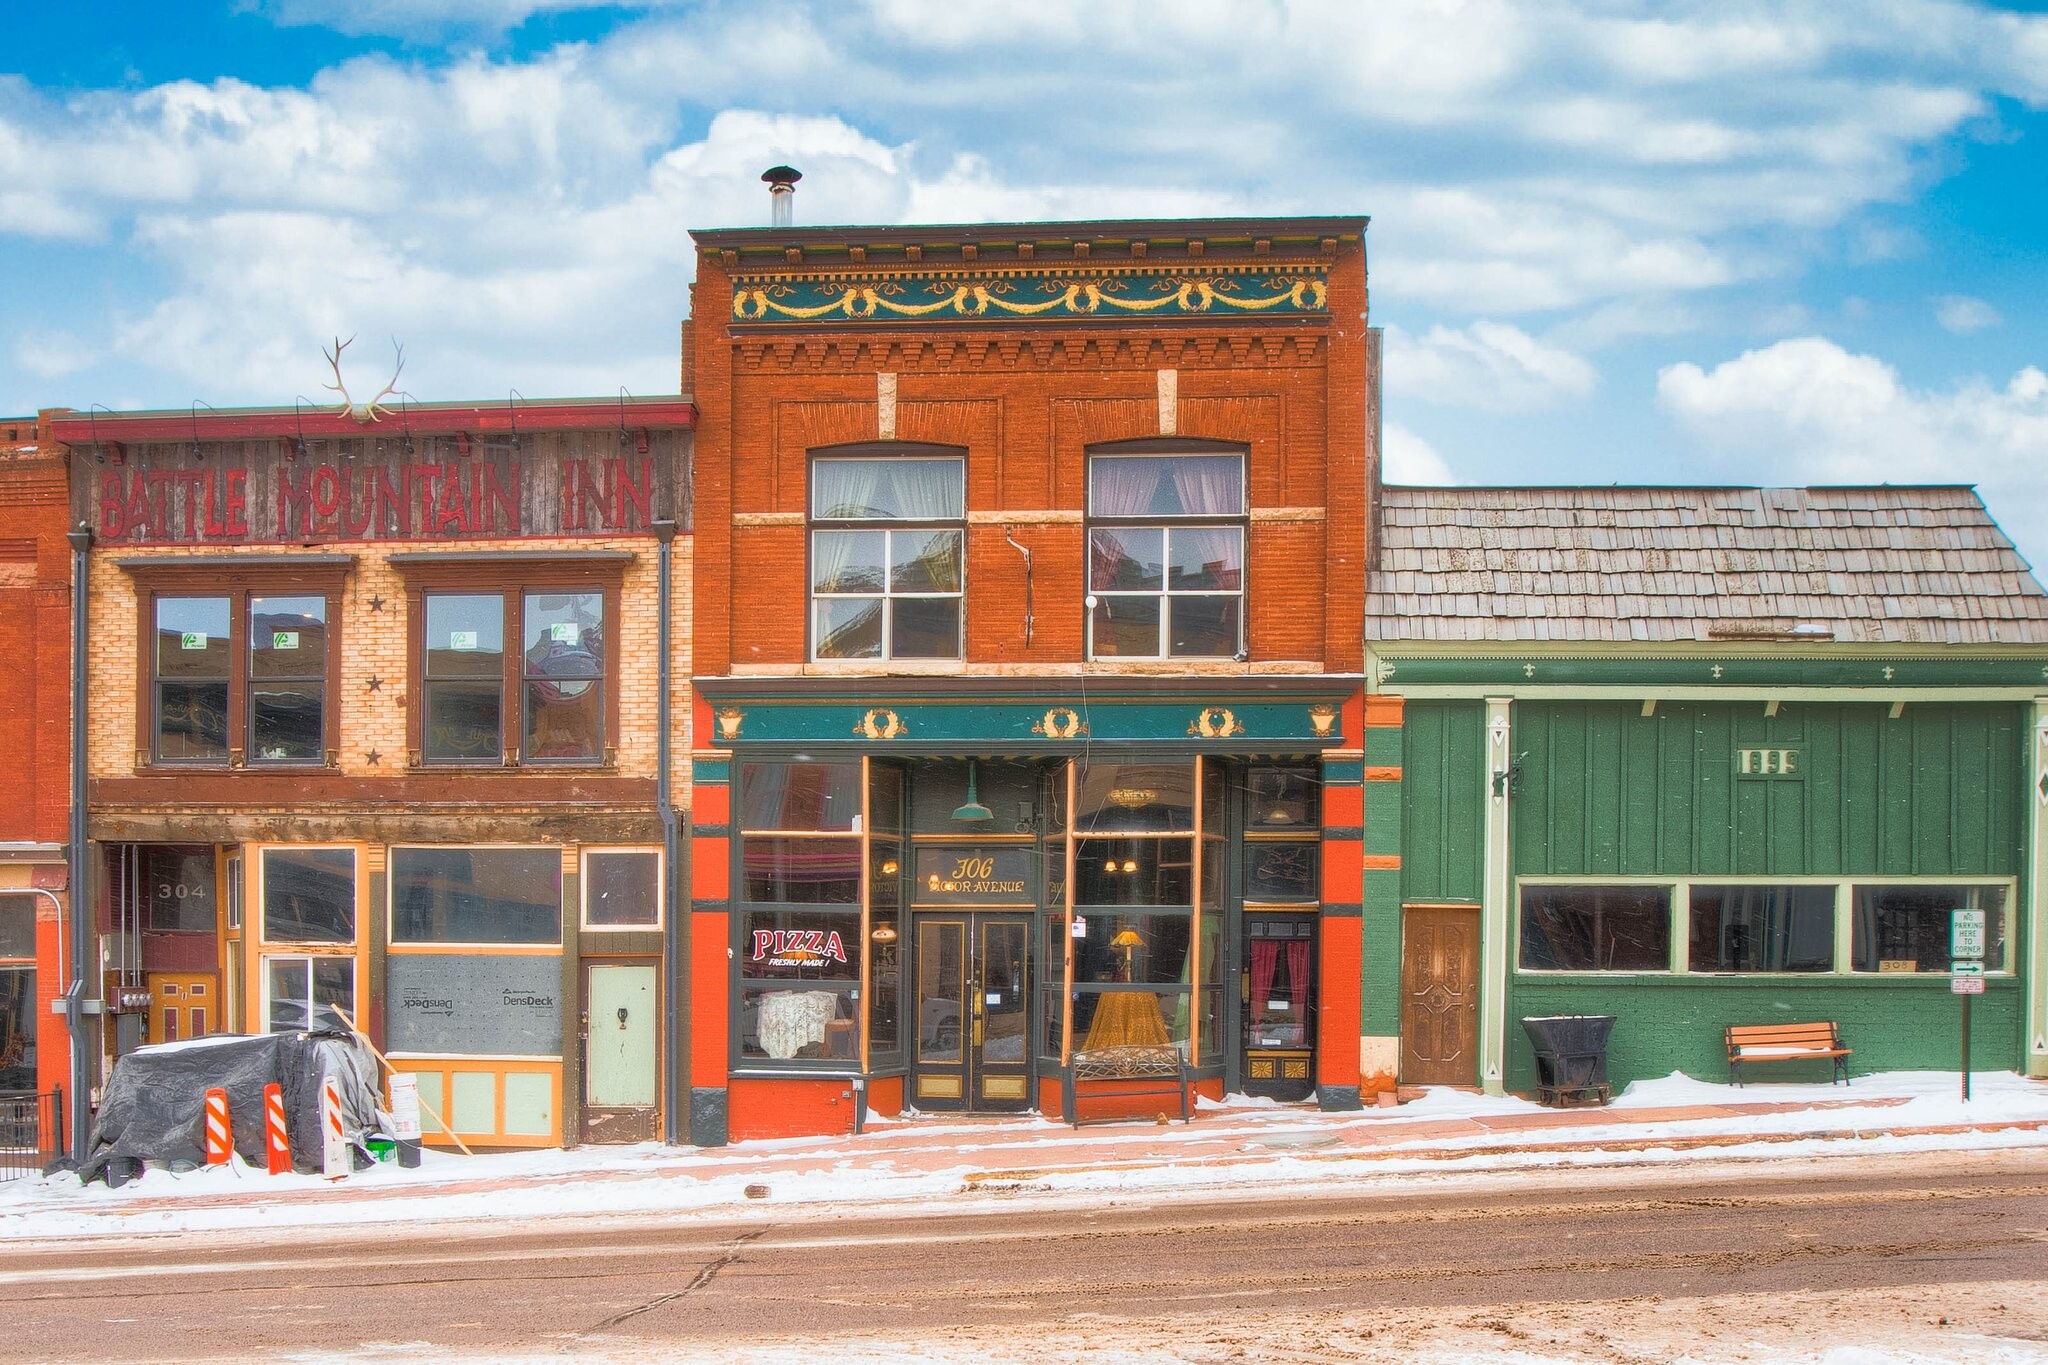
[(1882, 675), (836, 298), (797, 349)]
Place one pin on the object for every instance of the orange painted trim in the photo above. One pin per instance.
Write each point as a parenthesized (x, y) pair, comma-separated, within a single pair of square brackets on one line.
[(1383, 862), (709, 966), (1384, 713), (798, 1107), (1343, 956), (1383, 774), (1343, 807), (1343, 883), (1355, 720), (885, 1096), (711, 804), (710, 877)]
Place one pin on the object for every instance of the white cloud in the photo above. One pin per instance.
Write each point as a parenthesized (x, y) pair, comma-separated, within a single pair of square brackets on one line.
[(1806, 411), (1489, 365), (1961, 314), (1409, 459), (52, 354)]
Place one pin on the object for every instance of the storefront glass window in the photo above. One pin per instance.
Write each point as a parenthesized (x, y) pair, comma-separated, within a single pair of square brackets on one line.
[(17, 993), (1906, 928), (309, 895), (287, 679), (301, 991), (789, 870), (1596, 928), (179, 889), (1762, 929), (621, 889), (799, 796), (476, 895)]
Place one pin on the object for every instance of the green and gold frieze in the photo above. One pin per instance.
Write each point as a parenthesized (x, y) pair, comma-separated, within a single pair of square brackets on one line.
[(1053, 293)]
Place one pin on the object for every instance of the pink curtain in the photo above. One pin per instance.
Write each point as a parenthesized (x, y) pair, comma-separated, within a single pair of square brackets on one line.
[(1297, 974), (1265, 957)]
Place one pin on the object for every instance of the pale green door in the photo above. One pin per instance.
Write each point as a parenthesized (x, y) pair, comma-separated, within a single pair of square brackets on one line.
[(621, 1073)]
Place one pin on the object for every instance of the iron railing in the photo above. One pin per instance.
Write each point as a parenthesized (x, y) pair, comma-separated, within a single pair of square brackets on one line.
[(31, 1131)]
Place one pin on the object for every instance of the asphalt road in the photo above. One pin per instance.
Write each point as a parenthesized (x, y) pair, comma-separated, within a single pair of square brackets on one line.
[(620, 1287)]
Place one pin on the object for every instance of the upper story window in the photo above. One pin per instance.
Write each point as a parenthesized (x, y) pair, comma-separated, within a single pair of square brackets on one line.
[(240, 663), (1166, 555), (888, 554), (513, 660)]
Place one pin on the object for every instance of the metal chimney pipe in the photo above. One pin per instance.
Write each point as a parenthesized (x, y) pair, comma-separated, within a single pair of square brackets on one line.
[(781, 181)]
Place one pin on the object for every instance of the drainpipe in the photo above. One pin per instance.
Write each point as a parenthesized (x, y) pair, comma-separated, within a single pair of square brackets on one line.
[(81, 890), (674, 943)]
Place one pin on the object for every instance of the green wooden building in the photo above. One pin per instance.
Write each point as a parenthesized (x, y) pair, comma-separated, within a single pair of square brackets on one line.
[(1695, 757)]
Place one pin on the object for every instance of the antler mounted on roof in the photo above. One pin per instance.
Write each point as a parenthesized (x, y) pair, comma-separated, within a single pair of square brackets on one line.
[(361, 412)]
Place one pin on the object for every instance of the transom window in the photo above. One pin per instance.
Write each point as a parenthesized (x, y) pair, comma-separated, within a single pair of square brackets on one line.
[(888, 555), (1166, 546)]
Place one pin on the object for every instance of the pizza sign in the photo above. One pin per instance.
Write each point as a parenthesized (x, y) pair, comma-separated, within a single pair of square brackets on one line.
[(797, 947)]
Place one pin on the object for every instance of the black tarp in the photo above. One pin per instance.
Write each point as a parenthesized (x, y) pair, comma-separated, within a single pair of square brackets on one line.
[(155, 1103)]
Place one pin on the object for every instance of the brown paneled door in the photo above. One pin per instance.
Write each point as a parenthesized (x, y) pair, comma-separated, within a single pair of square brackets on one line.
[(973, 1012), (1440, 994)]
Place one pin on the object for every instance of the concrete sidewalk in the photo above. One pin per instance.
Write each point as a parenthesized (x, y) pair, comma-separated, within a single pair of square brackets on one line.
[(937, 1158)]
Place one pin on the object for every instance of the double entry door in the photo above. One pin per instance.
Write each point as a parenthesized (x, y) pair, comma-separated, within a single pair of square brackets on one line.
[(973, 1048)]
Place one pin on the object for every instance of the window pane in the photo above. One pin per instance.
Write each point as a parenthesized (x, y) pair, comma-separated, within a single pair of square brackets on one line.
[(1284, 798), (1126, 559), (924, 561), (622, 889), (178, 889), (799, 796), (286, 721), (303, 988), (334, 983), (1148, 949), (800, 945), (1203, 627), (462, 720), (1126, 627), (288, 637), (1130, 1016), (885, 996), (192, 720), (1288, 871), (801, 871), (17, 1029), (309, 895), (1137, 796), (849, 628), (1762, 929), (465, 635), (476, 895), (192, 637), (924, 628), (799, 1023), (1596, 928), (290, 988), (18, 927), (564, 720), (848, 561), (1906, 928), (1133, 872), (1166, 485), (888, 488), (1205, 557)]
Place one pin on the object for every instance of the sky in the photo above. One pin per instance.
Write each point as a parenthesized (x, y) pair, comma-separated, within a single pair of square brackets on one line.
[(1658, 243)]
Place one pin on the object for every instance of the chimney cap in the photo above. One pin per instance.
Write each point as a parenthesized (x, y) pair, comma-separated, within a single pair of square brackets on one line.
[(780, 176)]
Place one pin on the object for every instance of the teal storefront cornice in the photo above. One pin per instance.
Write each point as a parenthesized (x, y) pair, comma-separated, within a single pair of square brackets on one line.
[(1882, 676), (1269, 716)]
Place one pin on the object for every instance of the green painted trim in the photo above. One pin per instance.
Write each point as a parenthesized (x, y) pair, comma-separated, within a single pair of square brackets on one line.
[(1383, 810), (1888, 675), (1343, 772), (960, 294), (1383, 747), (1038, 725)]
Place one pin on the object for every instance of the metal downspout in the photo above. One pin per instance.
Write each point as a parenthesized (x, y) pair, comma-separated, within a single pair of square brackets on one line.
[(674, 943), (80, 889)]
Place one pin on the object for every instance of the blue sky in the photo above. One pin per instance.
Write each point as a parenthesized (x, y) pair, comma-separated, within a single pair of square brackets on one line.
[(1712, 243)]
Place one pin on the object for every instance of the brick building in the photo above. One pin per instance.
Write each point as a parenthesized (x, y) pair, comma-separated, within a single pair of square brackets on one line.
[(35, 731), (1030, 568), (376, 725)]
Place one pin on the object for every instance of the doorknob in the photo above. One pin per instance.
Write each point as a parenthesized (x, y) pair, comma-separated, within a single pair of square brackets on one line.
[(622, 1016)]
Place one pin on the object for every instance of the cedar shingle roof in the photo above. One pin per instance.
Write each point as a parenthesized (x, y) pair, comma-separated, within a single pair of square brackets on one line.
[(1887, 565)]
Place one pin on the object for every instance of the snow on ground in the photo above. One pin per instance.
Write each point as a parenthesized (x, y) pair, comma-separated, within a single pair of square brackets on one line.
[(977, 1163)]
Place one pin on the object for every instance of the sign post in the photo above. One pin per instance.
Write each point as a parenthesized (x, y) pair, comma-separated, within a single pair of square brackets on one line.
[(1966, 971)]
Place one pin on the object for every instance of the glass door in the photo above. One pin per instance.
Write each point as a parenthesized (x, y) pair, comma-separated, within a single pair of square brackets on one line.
[(973, 1049)]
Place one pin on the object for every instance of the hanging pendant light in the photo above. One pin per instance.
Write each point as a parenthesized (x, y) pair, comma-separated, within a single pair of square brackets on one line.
[(973, 810)]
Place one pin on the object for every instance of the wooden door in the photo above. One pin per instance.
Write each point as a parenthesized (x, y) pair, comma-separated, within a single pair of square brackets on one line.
[(621, 1053), (973, 1012), (1440, 994)]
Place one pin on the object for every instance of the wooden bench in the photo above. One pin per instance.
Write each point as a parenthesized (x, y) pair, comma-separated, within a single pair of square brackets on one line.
[(1127, 1073), (1786, 1043)]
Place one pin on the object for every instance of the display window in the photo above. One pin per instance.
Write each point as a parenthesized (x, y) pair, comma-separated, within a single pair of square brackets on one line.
[(305, 948), (17, 993), (622, 888)]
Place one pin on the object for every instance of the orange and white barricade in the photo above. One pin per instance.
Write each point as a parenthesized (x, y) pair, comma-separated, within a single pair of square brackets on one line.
[(334, 1162), (220, 1140), (277, 1142)]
